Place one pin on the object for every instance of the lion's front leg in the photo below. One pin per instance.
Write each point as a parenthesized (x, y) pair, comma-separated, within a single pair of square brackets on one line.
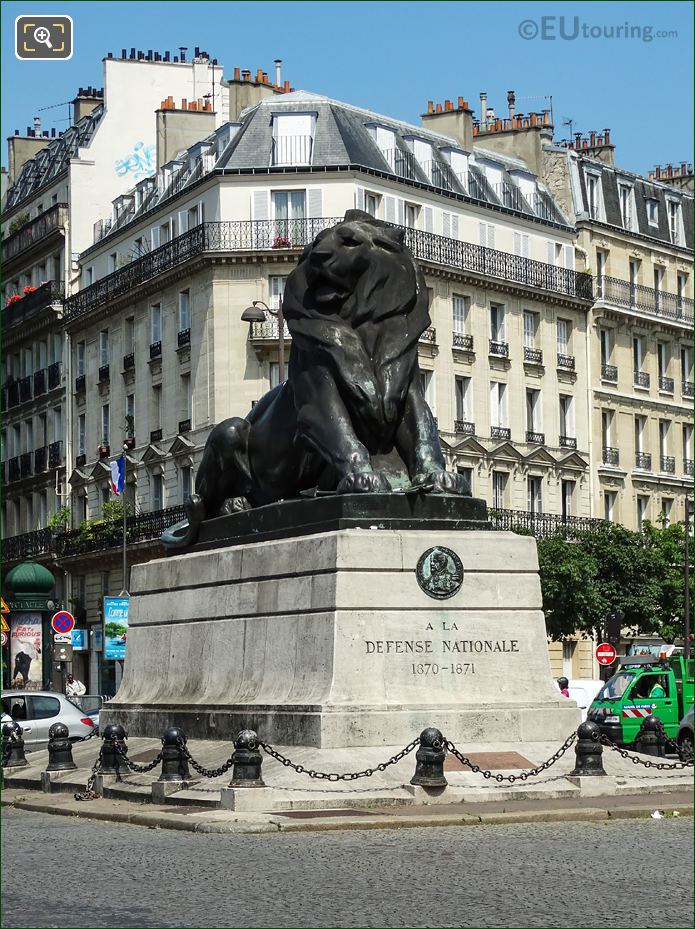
[(418, 445)]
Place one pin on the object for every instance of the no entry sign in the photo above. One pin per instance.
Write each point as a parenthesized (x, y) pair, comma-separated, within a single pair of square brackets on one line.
[(3, 638), (605, 654), (63, 621)]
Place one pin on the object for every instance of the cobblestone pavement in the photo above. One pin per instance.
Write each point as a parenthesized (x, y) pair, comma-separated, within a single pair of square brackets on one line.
[(61, 872)]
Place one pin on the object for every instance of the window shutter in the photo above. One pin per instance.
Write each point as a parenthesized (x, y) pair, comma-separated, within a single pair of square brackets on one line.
[(525, 246), (483, 234), (446, 224), (517, 243), (390, 209), (550, 251), (427, 214), (259, 205), (454, 226), (490, 236), (569, 257), (401, 211), (359, 198), (315, 202), (155, 237)]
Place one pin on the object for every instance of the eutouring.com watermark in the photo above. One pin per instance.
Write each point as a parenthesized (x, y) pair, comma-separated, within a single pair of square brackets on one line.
[(571, 28)]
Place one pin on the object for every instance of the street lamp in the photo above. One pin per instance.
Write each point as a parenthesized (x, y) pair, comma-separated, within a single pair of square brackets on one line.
[(254, 314), (686, 578)]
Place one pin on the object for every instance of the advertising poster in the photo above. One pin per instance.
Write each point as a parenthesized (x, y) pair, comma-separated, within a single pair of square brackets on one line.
[(115, 627), (26, 646)]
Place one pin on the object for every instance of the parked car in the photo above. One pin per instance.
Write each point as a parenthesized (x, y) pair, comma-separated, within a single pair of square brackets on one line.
[(584, 691), (685, 735), (36, 711)]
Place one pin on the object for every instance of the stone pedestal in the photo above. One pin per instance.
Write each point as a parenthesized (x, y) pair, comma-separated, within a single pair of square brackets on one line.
[(328, 640)]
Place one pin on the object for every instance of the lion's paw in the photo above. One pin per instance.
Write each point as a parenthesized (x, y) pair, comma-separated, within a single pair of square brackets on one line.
[(444, 482), (234, 505), (364, 482)]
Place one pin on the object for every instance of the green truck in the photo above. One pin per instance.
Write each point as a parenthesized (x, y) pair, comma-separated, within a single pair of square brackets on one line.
[(644, 686)]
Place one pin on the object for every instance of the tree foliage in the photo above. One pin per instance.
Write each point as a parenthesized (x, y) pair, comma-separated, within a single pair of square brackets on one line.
[(588, 574)]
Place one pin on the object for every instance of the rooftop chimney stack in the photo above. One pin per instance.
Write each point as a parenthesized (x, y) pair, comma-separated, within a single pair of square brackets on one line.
[(37, 125), (511, 101), (483, 110), (278, 71)]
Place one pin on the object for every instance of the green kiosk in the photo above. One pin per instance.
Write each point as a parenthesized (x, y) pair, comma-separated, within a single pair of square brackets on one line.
[(27, 657)]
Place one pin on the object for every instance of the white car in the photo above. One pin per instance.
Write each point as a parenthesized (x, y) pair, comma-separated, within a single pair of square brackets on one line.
[(36, 711), (583, 691)]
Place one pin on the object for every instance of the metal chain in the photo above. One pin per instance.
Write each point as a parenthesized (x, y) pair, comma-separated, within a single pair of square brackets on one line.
[(138, 768), (635, 759), (89, 793), (323, 776), (205, 772), (511, 778)]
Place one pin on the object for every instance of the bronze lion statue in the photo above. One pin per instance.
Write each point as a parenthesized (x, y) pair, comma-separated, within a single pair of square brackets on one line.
[(352, 415)]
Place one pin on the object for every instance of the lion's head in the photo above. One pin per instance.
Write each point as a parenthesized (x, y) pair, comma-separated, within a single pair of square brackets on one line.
[(359, 269)]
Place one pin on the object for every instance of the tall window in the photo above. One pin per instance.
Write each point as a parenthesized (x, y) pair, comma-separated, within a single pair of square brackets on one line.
[(371, 204), (157, 492), (497, 322), (566, 416), (686, 362), (274, 372), (634, 278), (463, 398), (529, 329), (186, 483), (467, 474), (687, 434), (81, 358), (498, 404), (606, 346), (184, 310), (653, 212), (157, 406), (674, 221), (186, 396), (563, 336), (601, 259), (156, 323), (666, 507), (57, 423), (637, 353), (276, 285), (130, 415), (609, 498), (129, 335), (289, 204), (642, 510), (664, 354), (104, 347), (533, 410), (427, 380), (535, 494), (625, 194), (410, 216), (81, 434), (640, 422), (105, 424), (607, 428), (459, 307), (568, 488), (292, 138), (499, 487), (664, 425)]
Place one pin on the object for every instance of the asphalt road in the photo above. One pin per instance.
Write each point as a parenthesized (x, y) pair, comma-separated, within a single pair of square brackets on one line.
[(60, 872)]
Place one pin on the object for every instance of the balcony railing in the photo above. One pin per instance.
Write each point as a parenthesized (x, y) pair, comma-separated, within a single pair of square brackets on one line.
[(143, 527), (40, 459), (535, 438), (129, 361), (292, 150), (668, 464), (80, 384), (81, 460), (501, 349), (156, 435), (27, 545), (13, 470), (688, 466), (464, 341), (464, 427), (104, 374), (24, 389), (183, 338), (533, 356), (568, 441), (36, 229), (541, 525), (55, 454), (565, 362), (155, 350), (404, 164), (268, 331), (643, 461), (609, 373), (611, 456), (429, 335), (258, 235), (500, 432), (12, 394), (641, 379), (644, 299), (39, 382), (46, 294), (687, 388), (26, 464), (666, 385), (184, 426), (54, 372)]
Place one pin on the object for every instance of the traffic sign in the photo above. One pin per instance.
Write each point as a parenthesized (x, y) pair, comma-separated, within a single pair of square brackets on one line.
[(4, 626), (62, 637), (605, 654), (63, 621), (4, 608), (3, 638)]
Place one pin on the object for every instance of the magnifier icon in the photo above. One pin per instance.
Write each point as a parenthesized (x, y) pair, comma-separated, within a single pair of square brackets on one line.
[(43, 35)]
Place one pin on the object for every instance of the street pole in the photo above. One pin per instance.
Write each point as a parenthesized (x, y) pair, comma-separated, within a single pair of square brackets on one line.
[(686, 577), (281, 343), (124, 592)]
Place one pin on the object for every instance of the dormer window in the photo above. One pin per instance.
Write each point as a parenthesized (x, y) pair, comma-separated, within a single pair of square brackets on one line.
[(675, 222), (593, 195), (423, 154), (653, 212), (293, 138), (626, 211)]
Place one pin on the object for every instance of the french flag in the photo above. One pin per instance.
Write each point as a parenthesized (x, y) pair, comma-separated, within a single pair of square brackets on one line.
[(118, 475)]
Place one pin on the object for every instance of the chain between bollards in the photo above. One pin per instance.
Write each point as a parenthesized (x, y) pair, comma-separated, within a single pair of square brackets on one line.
[(350, 776)]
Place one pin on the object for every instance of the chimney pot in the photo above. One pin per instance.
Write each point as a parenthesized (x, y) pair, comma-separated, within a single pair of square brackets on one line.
[(669, 170), (259, 76), (439, 108), (237, 74), (683, 168), (184, 103), (462, 103), (592, 139), (430, 106), (286, 87)]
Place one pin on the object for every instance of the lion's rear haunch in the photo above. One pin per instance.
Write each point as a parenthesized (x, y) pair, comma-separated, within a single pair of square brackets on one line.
[(356, 305)]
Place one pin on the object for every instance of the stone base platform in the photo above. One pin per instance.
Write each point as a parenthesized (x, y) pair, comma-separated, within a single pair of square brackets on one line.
[(329, 640)]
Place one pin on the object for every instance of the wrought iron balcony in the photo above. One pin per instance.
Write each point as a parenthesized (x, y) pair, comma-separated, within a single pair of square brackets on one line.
[(268, 331), (609, 373), (688, 466), (541, 525), (48, 294), (535, 438), (24, 389), (184, 337), (292, 150), (156, 435), (646, 300), (80, 384), (155, 350), (142, 527), (104, 374), (184, 426), (27, 545), (13, 469), (500, 432), (533, 356), (39, 382), (257, 235), (568, 441), (501, 349), (464, 427), (668, 464), (429, 335), (403, 163), (51, 220), (12, 394), (26, 464), (81, 461), (129, 361), (54, 373), (611, 456), (641, 379), (464, 341), (666, 385), (566, 362), (40, 459), (643, 461), (55, 454), (688, 388)]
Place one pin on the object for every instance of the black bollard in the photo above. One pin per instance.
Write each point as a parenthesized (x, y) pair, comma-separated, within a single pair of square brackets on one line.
[(60, 749), (247, 761), (112, 750), (174, 761), (588, 751), (13, 746), (650, 738), (429, 760)]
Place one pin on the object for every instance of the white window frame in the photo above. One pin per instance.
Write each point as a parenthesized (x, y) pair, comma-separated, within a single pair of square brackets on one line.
[(184, 309)]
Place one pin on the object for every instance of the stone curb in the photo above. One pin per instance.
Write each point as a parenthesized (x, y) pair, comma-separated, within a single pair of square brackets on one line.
[(270, 824)]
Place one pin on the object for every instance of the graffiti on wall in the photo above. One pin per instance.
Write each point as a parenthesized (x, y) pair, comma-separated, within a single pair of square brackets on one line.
[(138, 164)]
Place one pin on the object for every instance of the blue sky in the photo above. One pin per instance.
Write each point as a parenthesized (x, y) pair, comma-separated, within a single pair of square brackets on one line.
[(393, 57)]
